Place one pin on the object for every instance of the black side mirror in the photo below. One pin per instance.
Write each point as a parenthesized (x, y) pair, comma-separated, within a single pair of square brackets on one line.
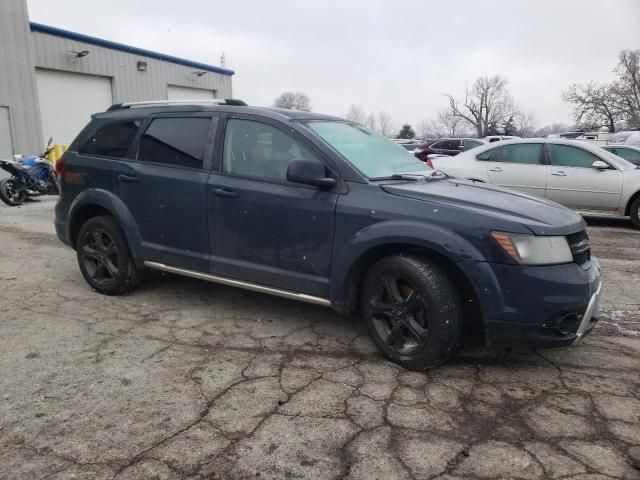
[(309, 173)]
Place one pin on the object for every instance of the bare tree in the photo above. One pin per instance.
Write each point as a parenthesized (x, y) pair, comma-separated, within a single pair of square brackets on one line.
[(448, 125), (486, 105), (293, 101), (594, 105), (525, 124), (371, 121), (626, 89), (386, 125), (356, 114)]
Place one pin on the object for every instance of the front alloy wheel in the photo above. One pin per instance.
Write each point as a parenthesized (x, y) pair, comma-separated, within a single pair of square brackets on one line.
[(412, 310), (399, 314), (99, 254)]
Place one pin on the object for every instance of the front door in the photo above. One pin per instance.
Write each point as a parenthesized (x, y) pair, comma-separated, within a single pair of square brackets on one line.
[(166, 190), (573, 182), (519, 166), (265, 229)]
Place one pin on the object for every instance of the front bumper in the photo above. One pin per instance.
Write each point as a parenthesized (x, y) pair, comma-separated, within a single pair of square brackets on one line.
[(538, 307)]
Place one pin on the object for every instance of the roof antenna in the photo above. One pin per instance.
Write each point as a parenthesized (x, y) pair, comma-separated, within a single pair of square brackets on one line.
[(223, 60)]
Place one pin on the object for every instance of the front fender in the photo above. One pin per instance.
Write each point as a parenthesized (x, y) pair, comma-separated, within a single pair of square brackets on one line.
[(397, 232), (116, 207)]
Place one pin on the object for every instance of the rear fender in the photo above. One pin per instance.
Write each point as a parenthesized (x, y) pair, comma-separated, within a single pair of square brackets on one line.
[(116, 207)]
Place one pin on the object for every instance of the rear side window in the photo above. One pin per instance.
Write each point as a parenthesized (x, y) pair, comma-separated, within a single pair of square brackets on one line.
[(175, 141), (570, 156), (450, 145), (527, 153), (112, 139)]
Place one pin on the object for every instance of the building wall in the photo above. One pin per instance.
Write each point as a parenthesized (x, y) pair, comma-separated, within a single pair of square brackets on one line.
[(17, 79), (128, 84)]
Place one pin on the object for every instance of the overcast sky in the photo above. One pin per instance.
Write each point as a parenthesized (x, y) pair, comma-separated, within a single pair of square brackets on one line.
[(394, 56)]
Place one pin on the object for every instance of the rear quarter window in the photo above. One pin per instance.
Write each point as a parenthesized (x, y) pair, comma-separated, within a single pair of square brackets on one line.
[(111, 139)]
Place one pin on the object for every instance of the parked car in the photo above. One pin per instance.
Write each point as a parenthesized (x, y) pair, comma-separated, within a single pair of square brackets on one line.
[(321, 210), (576, 174), (629, 137), (498, 138), (447, 146), (629, 153)]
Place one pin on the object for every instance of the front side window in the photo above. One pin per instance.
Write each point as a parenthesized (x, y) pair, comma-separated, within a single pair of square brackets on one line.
[(175, 141), (570, 156), (628, 154), (487, 155), (369, 152), (256, 149), (112, 139), (528, 153), (469, 144), (450, 145)]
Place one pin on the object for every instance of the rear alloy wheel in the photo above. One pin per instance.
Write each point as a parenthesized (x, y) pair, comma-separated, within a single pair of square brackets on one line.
[(412, 311), (634, 212), (12, 192), (104, 258)]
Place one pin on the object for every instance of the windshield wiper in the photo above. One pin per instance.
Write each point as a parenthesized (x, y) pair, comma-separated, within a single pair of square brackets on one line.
[(415, 177)]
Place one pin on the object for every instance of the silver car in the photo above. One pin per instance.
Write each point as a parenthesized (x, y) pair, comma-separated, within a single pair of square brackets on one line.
[(576, 174)]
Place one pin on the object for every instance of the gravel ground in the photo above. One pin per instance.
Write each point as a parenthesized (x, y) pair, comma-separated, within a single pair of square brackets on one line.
[(186, 379)]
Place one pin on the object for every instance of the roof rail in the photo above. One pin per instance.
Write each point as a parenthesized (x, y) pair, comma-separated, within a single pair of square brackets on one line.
[(151, 103)]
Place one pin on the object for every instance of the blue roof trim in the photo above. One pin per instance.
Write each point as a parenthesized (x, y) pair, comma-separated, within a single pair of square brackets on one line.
[(58, 32)]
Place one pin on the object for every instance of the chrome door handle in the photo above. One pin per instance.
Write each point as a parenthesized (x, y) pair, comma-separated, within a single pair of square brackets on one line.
[(495, 169), (225, 192), (128, 178), (559, 174)]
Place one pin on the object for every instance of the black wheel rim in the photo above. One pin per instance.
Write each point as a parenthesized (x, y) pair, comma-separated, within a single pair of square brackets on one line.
[(99, 254), (399, 314)]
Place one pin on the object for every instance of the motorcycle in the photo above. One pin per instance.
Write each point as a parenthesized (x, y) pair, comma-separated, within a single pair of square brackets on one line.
[(30, 177)]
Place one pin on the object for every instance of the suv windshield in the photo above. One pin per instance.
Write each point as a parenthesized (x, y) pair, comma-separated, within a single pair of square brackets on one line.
[(369, 152)]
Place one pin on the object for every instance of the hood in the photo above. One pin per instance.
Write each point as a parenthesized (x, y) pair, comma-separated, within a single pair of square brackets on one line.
[(541, 216)]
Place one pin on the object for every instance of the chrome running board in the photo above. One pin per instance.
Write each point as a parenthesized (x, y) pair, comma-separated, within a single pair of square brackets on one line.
[(237, 283)]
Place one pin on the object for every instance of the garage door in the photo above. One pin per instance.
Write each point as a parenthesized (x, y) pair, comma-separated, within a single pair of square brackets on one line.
[(67, 101), (187, 93), (6, 147)]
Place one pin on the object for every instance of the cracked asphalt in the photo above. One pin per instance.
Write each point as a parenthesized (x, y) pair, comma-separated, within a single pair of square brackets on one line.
[(186, 379)]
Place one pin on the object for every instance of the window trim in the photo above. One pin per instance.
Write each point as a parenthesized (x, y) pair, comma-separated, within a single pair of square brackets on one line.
[(207, 156), (218, 156)]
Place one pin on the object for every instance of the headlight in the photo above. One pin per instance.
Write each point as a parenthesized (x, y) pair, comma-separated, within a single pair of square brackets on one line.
[(534, 250)]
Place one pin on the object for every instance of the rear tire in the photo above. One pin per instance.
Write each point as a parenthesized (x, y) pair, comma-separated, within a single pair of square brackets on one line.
[(634, 212), (104, 257), (412, 310), (9, 194)]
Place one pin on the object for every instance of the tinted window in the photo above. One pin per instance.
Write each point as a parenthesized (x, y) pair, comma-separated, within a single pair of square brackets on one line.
[(528, 153), (628, 154), (255, 149), (112, 139), (485, 156), (449, 145), (175, 141), (569, 156)]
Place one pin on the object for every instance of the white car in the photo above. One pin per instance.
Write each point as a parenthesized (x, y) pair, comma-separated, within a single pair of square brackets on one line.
[(576, 174)]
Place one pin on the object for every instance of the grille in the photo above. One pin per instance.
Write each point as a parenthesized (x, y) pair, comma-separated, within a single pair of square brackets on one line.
[(580, 247)]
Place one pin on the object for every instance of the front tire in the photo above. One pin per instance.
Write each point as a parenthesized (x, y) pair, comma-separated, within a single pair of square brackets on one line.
[(634, 212), (412, 311), (11, 192), (104, 257)]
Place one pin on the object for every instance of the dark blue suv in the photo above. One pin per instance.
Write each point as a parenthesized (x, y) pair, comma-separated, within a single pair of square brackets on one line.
[(315, 208)]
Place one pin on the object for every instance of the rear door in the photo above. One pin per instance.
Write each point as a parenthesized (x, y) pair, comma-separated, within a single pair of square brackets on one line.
[(573, 182), (519, 166), (166, 188)]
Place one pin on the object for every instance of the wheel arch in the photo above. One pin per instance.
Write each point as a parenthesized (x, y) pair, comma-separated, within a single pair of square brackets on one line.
[(634, 197), (94, 203)]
